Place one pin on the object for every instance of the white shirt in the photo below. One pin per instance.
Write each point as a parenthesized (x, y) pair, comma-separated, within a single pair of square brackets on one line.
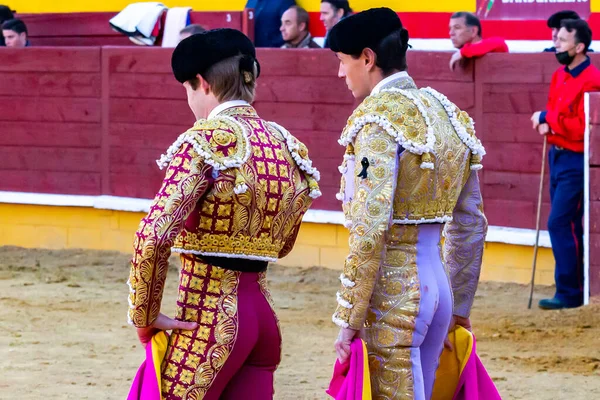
[(385, 81), (225, 106)]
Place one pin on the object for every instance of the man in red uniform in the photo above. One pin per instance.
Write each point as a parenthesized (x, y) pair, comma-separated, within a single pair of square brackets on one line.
[(564, 123), (465, 33)]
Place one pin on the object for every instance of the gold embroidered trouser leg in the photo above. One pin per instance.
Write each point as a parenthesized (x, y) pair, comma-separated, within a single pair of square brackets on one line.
[(408, 315)]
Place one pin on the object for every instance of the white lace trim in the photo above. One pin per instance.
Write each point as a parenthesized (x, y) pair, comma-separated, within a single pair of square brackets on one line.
[(472, 142), (315, 194), (339, 322), (227, 255), (476, 167), (360, 122), (342, 302), (131, 289), (415, 148), (346, 282), (239, 189), (427, 165), (191, 137), (407, 221), (129, 302)]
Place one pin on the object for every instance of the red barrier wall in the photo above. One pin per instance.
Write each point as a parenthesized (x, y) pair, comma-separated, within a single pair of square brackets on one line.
[(93, 29), (594, 194), (51, 112), (123, 107), (90, 120), (126, 98)]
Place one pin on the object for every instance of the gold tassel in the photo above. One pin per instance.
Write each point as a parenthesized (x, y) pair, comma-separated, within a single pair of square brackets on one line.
[(240, 183), (427, 161), (476, 162)]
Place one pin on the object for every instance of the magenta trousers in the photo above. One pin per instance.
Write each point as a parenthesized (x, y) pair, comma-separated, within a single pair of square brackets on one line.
[(236, 348)]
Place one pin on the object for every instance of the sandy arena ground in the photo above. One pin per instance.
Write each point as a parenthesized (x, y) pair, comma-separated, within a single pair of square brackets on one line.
[(63, 332)]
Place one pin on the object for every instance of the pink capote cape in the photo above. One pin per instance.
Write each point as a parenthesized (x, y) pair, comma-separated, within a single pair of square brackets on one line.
[(351, 380), (146, 385), (461, 375)]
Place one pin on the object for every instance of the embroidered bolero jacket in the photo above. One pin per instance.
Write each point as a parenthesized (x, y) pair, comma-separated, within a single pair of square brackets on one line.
[(235, 186), (409, 156)]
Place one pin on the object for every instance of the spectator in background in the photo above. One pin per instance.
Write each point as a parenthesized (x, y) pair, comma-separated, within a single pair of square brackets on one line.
[(294, 29), (332, 12), (190, 30), (5, 14), (267, 20), (563, 122), (465, 33), (554, 24), (15, 33)]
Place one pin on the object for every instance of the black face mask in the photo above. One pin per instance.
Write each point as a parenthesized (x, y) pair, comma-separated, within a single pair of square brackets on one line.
[(564, 58)]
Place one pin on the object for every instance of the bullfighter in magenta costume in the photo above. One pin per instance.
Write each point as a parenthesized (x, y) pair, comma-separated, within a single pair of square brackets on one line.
[(232, 200)]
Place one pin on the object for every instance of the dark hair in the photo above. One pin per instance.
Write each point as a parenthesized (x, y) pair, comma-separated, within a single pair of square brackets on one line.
[(14, 25), (339, 4), (5, 14), (391, 52), (555, 19), (471, 20), (301, 16), (193, 29), (583, 33)]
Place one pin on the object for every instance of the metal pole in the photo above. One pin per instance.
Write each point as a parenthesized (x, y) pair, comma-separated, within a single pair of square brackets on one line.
[(537, 221)]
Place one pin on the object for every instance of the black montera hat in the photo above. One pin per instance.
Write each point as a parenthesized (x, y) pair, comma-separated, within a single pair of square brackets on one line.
[(197, 53), (365, 29), (556, 18)]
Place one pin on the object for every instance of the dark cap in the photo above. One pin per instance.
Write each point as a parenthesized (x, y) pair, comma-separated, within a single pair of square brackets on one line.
[(197, 53), (365, 29), (556, 18)]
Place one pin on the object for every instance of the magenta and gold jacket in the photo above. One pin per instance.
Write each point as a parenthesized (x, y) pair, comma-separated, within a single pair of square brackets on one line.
[(235, 186)]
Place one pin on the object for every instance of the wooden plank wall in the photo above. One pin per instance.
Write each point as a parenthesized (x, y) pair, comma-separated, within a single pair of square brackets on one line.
[(511, 90), (147, 111), (50, 112), (91, 121), (595, 194), (118, 109), (93, 29)]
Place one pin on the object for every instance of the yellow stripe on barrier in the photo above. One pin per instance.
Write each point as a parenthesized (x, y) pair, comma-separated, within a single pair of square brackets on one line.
[(64, 6)]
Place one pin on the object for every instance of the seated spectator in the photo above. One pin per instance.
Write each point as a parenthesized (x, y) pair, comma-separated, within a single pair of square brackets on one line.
[(191, 29), (554, 23), (294, 29), (267, 20), (15, 33), (332, 12), (5, 14), (465, 33)]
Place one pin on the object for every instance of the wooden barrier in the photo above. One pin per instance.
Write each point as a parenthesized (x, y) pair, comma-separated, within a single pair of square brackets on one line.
[(94, 120), (129, 98), (93, 29), (50, 107), (594, 119)]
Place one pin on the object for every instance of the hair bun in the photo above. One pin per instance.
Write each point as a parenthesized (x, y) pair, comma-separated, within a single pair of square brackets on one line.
[(247, 64), (404, 36)]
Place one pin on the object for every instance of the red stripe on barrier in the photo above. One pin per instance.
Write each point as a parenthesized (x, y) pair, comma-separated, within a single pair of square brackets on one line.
[(427, 25)]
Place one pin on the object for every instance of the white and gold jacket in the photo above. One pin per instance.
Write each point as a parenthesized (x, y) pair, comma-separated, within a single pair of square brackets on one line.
[(411, 158)]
